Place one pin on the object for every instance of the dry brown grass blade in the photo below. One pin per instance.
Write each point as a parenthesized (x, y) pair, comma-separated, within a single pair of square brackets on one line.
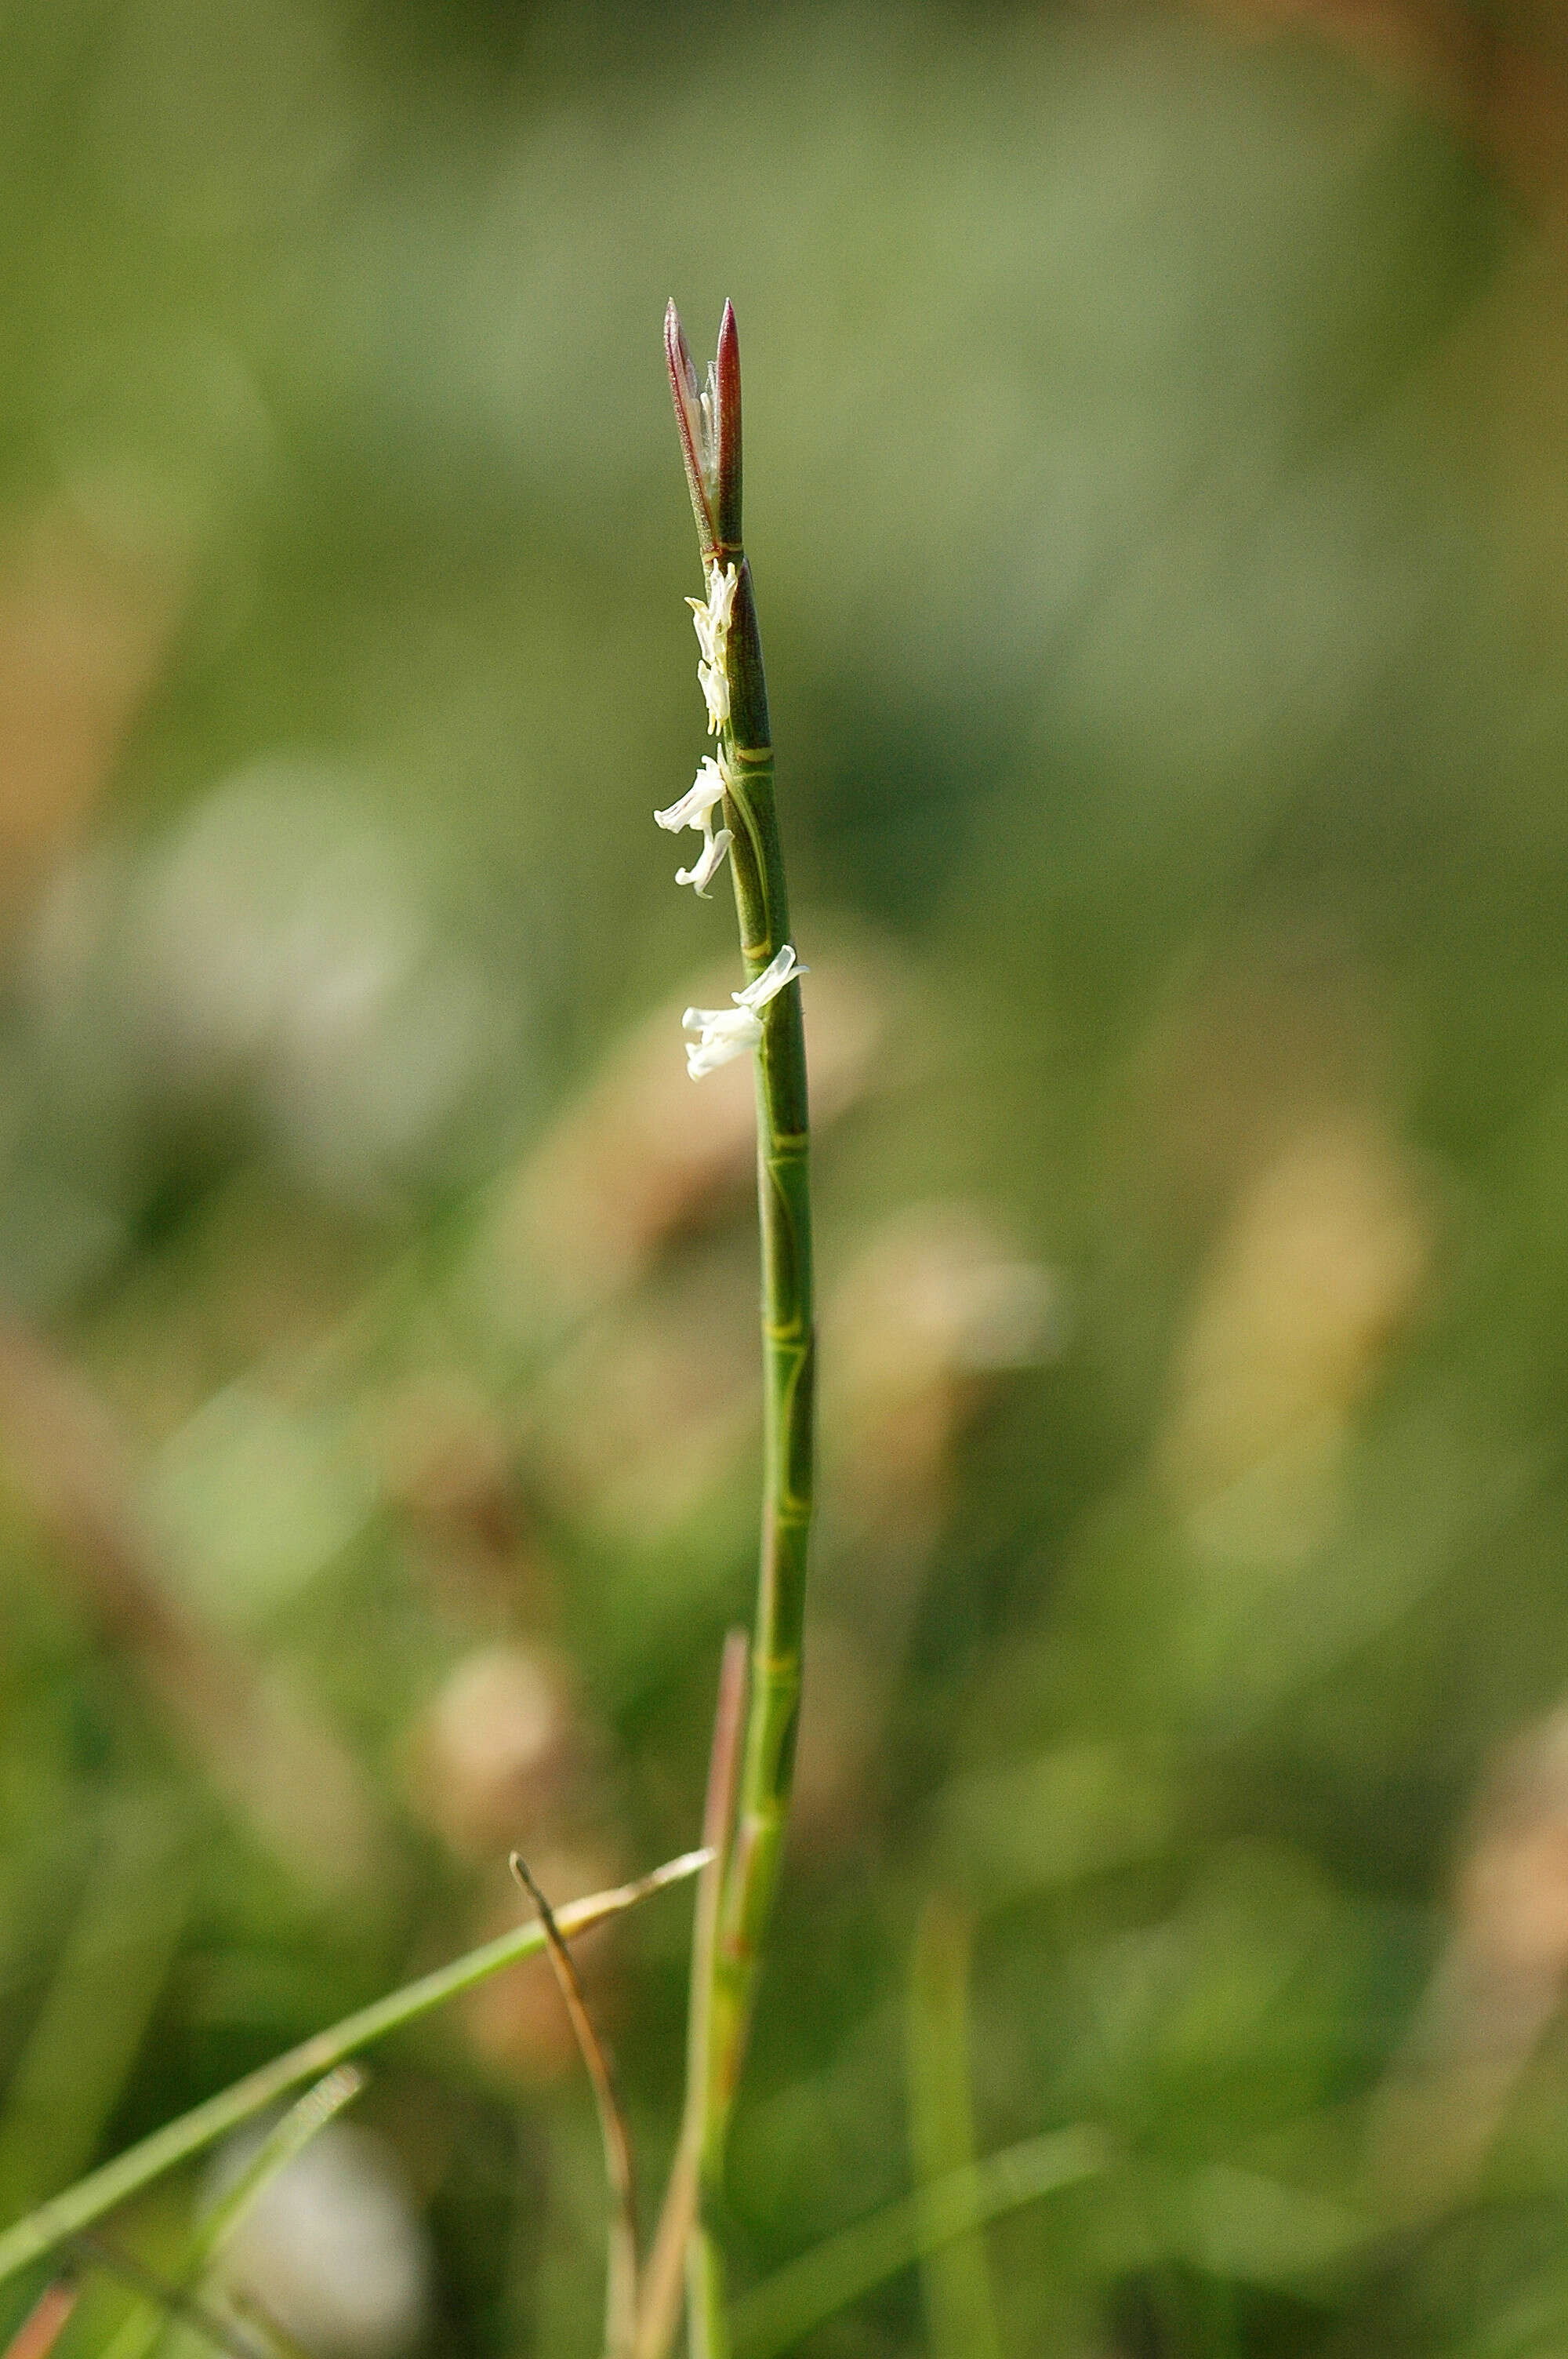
[(664, 2279), (621, 2275), (45, 2322)]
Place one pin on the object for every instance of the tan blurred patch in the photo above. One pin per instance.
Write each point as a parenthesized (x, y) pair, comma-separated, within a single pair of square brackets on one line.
[(938, 1301), (651, 1407), (262, 1274), (1311, 1277), (82, 631), (1496, 1988), (1282, 1026), (1502, 396), (263, 1748), (937, 1306), (498, 1750), (1497, 77), (1432, 49), (443, 1452), (448, 1462), (642, 1155), (844, 1698)]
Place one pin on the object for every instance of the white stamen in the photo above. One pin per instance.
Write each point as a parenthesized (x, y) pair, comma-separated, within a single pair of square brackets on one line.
[(725, 1033), (708, 433), (781, 969), (722, 587), (709, 860), (695, 806), (711, 623), (695, 809)]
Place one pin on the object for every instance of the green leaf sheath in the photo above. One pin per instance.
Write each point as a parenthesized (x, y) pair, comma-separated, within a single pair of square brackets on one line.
[(789, 1368)]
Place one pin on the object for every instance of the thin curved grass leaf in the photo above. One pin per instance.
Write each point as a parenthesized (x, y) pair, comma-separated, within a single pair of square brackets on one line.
[(799, 2297), (67, 2213), (960, 2308)]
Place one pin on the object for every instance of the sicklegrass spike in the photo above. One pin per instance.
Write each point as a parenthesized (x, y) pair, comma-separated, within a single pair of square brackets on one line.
[(764, 1021), (710, 620)]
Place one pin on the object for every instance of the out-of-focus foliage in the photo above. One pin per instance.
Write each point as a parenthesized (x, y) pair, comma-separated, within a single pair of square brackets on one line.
[(1158, 461)]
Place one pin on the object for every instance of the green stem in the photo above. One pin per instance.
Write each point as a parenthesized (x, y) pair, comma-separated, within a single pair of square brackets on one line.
[(784, 1207), (664, 2279), (719, 2027), (708, 2310)]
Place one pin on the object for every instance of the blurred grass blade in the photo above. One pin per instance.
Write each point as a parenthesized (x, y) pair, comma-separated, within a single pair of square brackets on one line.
[(284, 2140), (87, 2033), (955, 2273), (210, 2331), (775, 2315), (67, 2214)]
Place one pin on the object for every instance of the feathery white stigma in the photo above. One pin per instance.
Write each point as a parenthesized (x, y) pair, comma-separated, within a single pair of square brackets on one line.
[(724, 1033), (711, 622), (695, 809), (707, 432)]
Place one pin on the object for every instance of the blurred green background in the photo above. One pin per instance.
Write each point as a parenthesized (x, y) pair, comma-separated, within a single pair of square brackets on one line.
[(1157, 428)]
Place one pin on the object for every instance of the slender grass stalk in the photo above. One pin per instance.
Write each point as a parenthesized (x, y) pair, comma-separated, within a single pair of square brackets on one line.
[(67, 2214), (664, 2278), (283, 2143), (709, 426), (960, 2311)]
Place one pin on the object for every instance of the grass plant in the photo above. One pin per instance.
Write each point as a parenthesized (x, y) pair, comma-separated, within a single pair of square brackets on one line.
[(731, 673), (1169, 1952), (753, 1750)]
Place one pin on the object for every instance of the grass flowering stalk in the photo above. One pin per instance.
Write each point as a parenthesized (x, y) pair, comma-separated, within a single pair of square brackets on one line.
[(767, 1021)]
